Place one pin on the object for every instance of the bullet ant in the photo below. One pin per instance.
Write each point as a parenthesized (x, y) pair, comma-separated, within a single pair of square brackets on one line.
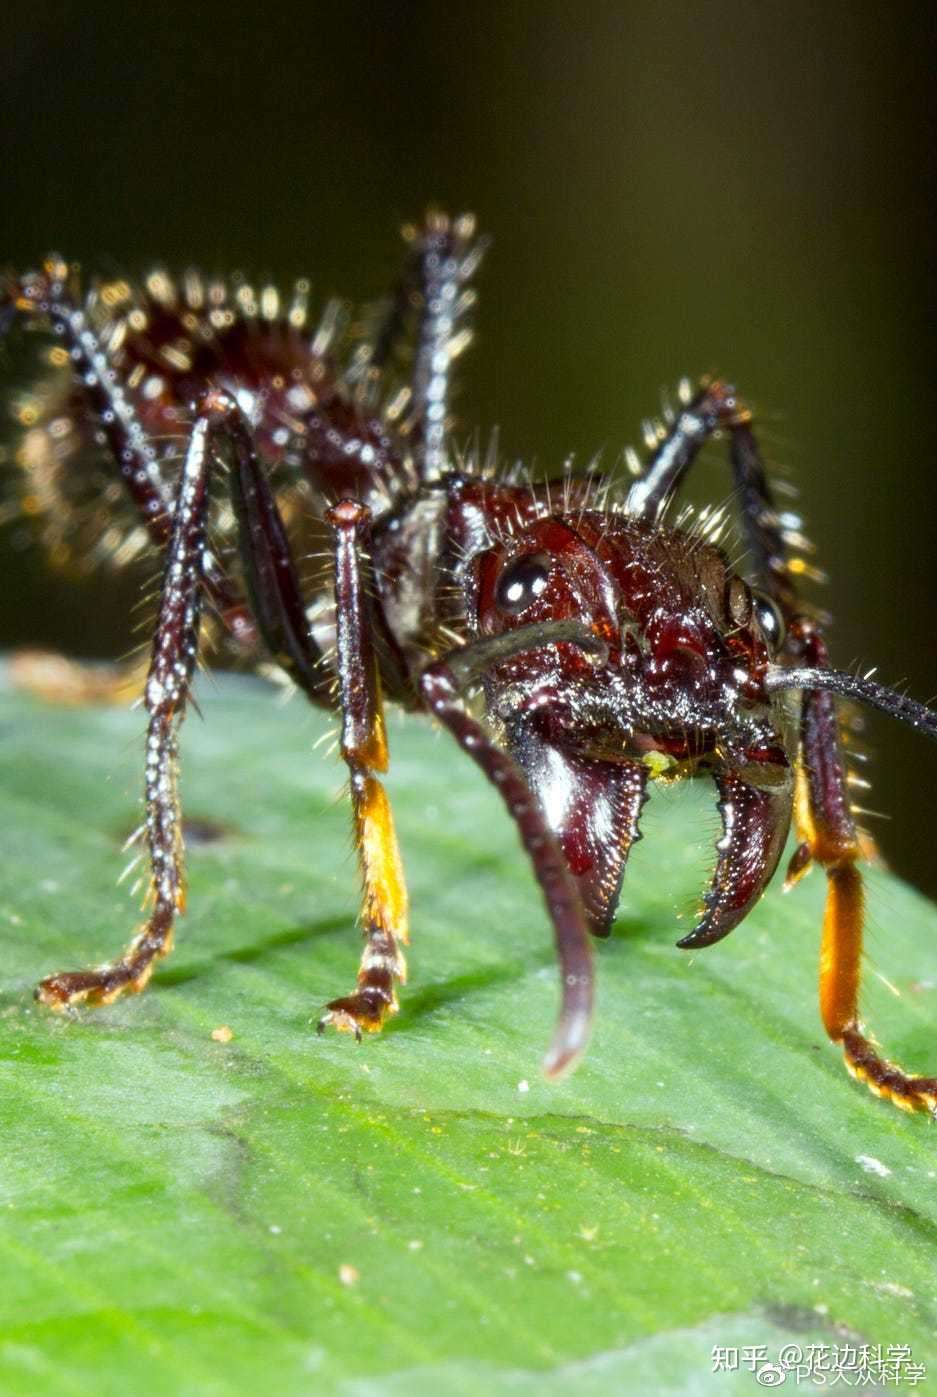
[(610, 645)]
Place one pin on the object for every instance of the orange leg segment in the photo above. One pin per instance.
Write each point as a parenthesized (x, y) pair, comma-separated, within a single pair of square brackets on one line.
[(828, 834), (364, 748)]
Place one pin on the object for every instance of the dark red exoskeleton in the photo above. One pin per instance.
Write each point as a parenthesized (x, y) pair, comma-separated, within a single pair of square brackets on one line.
[(610, 645)]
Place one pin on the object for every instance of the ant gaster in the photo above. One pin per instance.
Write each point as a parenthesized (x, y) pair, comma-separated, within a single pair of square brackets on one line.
[(611, 645)]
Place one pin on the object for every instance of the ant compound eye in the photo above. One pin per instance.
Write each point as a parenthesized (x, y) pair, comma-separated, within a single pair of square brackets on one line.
[(521, 583), (770, 621)]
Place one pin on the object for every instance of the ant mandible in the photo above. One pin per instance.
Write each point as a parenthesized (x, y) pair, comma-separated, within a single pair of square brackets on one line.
[(610, 645)]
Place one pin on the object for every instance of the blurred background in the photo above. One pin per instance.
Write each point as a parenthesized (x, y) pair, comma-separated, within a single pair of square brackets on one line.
[(672, 189)]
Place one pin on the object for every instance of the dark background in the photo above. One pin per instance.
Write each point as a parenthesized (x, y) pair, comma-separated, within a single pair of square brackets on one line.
[(672, 188)]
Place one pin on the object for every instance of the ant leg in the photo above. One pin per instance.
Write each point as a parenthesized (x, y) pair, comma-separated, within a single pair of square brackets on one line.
[(440, 685), (715, 405), (370, 361), (110, 403), (823, 817), (272, 582), (831, 838), (444, 256), (364, 748), (448, 257), (767, 540), (167, 688), (822, 812)]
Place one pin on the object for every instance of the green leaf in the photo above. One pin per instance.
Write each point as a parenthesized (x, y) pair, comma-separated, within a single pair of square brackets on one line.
[(425, 1213)]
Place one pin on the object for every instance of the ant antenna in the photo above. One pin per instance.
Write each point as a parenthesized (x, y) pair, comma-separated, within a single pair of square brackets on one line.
[(896, 705)]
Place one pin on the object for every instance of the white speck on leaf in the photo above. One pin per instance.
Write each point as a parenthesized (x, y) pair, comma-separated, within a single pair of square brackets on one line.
[(893, 1288), (871, 1165)]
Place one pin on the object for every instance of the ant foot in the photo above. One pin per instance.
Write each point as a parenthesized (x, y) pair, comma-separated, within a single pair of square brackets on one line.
[(363, 1012), (101, 986), (885, 1079), (105, 983)]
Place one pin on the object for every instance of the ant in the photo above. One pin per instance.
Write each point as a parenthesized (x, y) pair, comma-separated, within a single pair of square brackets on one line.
[(610, 645)]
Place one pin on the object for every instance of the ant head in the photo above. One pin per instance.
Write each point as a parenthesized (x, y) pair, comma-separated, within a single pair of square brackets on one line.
[(685, 642)]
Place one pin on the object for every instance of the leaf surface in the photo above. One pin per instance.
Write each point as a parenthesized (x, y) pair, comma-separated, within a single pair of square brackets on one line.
[(426, 1213)]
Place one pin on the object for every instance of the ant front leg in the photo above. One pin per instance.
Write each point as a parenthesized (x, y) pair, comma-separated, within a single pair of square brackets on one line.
[(830, 837), (166, 692), (273, 585), (364, 747)]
